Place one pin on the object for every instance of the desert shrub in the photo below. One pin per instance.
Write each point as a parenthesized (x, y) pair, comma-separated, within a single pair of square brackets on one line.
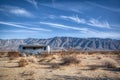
[(98, 57), (44, 55), (13, 54), (28, 73), (55, 66), (23, 55), (3, 54), (93, 67), (3, 75), (23, 62), (69, 60), (109, 63), (32, 59)]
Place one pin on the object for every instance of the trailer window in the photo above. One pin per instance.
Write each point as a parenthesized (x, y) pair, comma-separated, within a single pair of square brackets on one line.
[(24, 48), (34, 48), (44, 48)]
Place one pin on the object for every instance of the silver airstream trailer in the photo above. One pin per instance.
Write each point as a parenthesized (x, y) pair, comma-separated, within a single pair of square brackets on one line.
[(34, 49)]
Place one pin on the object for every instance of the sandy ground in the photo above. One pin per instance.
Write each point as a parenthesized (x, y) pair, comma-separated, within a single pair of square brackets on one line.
[(47, 68)]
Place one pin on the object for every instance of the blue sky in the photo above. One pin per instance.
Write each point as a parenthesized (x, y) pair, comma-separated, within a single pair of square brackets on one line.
[(49, 18)]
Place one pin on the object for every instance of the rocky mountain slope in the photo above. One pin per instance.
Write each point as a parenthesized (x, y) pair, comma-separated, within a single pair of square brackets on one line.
[(64, 43)]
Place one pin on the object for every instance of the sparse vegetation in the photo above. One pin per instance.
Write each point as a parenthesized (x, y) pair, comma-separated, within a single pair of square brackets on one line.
[(55, 66), (80, 63), (69, 60), (28, 73), (98, 57), (109, 63), (93, 67), (32, 59), (23, 62), (13, 55), (3, 54)]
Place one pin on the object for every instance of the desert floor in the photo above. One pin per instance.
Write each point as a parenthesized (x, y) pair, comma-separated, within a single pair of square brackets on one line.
[(96, 66)]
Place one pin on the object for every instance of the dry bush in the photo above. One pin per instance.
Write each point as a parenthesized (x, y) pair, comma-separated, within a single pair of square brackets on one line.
[(28, 73), (3, 54), (13, 55), (23, 55), (55, 66), (3, 75), (99, 57), (32, 59), (93, 67), (47, 59), (44, 55), (42, 60), (23, 62), (109, 63), (69, 60)]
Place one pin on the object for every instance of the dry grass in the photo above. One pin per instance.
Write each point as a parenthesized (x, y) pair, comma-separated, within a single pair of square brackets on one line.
[(94, 65), (23, 62), (109, 63), (55, 66), (23, 55), (3, 54), (32, 59), (98, 57), (28, 73), (44, 55), (69, 60), (13, 55)]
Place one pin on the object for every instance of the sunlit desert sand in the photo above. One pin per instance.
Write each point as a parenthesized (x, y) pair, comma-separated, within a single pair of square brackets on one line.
[(61, 66)]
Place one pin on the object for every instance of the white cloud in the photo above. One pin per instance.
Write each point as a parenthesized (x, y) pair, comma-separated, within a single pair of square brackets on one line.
[(74, 18), (85, 32), (93, 34), (24, 27), (52, 25), (53, 3), (16, 10), (104, 7), (97, 23), (91, 22), (67, 6), (33, 2), (63, 26), (19, 31), (21, 12), (52, 16), (100, 34)]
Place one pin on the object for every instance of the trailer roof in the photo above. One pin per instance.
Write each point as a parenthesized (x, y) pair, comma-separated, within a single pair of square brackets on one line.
[(32, 45)]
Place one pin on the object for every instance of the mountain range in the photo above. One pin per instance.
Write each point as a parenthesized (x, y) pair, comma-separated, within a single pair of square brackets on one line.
[(58, 43)]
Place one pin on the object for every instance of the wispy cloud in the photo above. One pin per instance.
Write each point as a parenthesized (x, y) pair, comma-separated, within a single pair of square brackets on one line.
[(101, 34), (94, 34), (104, 7), (97, 23), (74, 18), (91, 22), (23, 27), (19, 31), (67, 6), (63, 26), (53, 3), (33, 2), (52, 25), (16, 11), (52, 16)]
